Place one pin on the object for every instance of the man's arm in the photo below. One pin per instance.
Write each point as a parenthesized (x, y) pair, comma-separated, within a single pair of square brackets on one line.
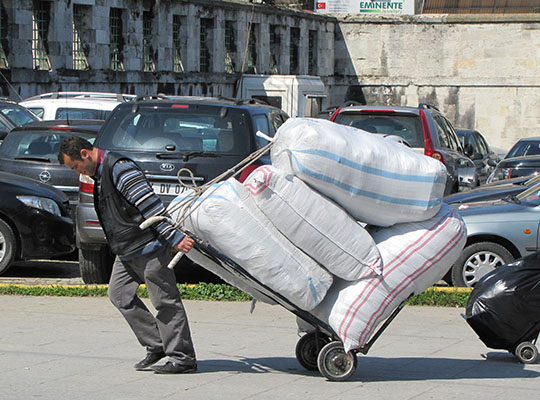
[(130, 181)]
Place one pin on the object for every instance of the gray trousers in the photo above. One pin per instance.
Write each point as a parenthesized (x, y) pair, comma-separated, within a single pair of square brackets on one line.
[(169, 329)]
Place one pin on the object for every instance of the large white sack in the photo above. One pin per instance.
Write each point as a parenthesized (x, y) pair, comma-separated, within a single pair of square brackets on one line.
[(227, 218), (313, 223), (415, 256), (378, 181)]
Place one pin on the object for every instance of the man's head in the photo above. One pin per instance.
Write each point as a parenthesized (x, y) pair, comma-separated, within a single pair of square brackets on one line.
[(79, 155)]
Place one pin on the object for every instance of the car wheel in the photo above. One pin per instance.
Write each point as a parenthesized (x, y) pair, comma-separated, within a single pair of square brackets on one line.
[(477, 260), (7, 246), (96, 265)]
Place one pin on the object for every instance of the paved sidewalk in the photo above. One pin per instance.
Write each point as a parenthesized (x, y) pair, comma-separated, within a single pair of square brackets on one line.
[(81, 348)]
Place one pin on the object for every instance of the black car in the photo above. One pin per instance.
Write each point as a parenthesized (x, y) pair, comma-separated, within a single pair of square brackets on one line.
[(13, 115), (478, 150), (35, 221), (423, 128), (496, 190), (32, 151), (515, 167), (206, 135)]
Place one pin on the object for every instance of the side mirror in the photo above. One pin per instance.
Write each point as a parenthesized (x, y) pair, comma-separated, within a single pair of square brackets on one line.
[(491, 162), (476, 156)]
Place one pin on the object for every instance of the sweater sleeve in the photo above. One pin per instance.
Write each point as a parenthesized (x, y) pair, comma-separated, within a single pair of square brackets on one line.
[(132, 184)]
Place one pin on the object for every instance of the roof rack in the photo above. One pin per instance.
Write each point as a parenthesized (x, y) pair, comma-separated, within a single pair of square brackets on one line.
[(122, 97), (427, 106)]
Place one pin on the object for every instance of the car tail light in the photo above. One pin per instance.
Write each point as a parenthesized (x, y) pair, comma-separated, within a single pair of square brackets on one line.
[(60, 128), (86, 184), (246, 171), (429, 149), (180, 106), (334, 115)]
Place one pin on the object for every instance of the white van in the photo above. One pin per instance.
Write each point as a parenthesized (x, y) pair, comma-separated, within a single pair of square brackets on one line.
[(297, 95), (74, 105)]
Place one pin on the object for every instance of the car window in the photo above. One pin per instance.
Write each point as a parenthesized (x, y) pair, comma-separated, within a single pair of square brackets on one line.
[(441, 132), (37, 144), (183, 128), (78, 113), (261, 124), (481, 144), (38, 111), (406, 126), (524, 148), (17, 115)]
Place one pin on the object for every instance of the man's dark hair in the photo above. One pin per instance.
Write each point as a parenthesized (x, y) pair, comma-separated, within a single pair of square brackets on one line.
[(72, 147)]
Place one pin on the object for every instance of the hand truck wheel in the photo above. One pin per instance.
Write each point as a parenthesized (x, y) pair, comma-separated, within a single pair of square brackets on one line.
[(334, 364), (307, 349), (526, 352)]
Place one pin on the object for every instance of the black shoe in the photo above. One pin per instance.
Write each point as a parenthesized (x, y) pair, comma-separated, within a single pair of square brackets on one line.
[(172, 368), (149, 360)]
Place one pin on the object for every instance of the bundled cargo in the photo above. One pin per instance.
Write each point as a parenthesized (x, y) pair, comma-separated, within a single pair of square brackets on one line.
[(227, 218), (378, 181), (415, 255), (314, 224)]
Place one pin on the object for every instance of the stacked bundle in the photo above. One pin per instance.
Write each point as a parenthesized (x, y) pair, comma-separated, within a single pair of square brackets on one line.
[(299, 225)]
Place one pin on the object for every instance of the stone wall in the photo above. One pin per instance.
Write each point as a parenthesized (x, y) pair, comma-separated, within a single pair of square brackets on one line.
[(483, 72)]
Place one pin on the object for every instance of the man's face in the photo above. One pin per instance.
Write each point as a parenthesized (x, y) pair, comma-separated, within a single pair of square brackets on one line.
[(86, 166)]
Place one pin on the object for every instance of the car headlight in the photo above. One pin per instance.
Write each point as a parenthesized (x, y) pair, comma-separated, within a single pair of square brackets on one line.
[(41, 203), (499, 174)]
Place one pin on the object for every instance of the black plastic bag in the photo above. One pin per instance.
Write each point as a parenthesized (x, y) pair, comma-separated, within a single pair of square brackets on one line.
[(504, 307)]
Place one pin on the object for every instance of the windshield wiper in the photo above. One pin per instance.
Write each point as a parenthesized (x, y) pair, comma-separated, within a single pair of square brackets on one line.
[(512, 198), (186, 156), (33, 158)]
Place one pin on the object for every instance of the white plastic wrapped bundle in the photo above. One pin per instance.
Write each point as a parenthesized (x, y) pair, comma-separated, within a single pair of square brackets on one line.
[(313, 223), (229, 220), (378, 181), (415, 256)]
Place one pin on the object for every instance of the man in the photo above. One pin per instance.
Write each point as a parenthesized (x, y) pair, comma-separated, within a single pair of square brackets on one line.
[(123, 199)]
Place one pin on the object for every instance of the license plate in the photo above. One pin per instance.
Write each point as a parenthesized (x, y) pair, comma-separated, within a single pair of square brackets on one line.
[(169, 189)]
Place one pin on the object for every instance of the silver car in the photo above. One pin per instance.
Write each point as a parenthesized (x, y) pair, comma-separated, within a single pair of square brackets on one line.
[(498, 231)]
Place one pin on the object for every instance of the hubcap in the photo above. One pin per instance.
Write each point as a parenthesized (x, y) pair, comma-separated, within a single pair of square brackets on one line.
[(480, 264)]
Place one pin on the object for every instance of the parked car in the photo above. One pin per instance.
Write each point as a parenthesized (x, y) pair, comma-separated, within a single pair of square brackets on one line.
[(498, 231), (478, 150), (495, 190), (424, 128), (74, 105), (515, 167), (13, 115), (32, 151), (208, 136), (35, 221)]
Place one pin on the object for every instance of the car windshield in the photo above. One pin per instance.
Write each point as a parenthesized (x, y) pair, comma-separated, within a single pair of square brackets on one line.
[(37, 144), (179, 129), (18, 115), (406, 126), (525, 148)]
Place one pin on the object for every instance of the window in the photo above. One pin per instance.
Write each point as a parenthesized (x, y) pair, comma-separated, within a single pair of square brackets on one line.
[(80, 56), (312, 53), (178, 65), (294, 50), (275, 48), (205, 60), (149, 62), (116, 40), (40, 30), (251, 67), (230, 47), (3, 38)]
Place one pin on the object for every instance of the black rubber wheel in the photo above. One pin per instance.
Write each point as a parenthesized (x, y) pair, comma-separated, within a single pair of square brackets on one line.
[(8, 246), (307, 349), (526, 352), (96, 265), (334, 364), (477, 260)]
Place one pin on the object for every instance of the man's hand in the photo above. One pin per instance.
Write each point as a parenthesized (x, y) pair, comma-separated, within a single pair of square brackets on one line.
[(185, 244)]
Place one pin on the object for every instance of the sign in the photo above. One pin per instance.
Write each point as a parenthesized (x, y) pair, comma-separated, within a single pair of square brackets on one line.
[(373, 7)]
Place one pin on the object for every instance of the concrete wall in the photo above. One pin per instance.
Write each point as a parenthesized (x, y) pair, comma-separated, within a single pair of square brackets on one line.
[(483, 72)]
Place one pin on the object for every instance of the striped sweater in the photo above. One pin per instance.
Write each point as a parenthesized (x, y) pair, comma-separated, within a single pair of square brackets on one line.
[(132, 184)]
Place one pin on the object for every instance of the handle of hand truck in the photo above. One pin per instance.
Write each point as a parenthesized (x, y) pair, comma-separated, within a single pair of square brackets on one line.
[(152, 220), (175, 260)]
